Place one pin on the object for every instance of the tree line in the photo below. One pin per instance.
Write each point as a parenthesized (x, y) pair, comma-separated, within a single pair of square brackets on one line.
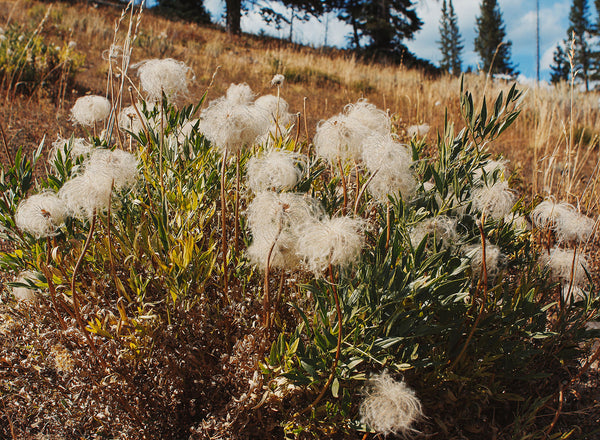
[(380, 28), (577, 57)]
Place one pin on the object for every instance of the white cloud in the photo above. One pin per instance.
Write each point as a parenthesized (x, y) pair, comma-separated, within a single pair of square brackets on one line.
[(519, 19)]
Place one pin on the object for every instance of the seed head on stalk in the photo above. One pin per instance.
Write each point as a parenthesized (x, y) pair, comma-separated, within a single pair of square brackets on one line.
[(389, 406), (90, 109), (166, 76), (41, 214)]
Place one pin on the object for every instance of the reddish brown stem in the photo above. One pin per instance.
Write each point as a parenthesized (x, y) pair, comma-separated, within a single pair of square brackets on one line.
[(338, 348), (76, 307), (53, 295), (483, 300), (6, 149), (558, 411)]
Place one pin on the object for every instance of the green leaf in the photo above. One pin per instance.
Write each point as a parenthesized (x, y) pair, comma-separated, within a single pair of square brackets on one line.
[(335, 388)]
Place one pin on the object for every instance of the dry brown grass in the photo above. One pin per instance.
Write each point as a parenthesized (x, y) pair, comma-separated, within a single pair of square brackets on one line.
[(545, 144)]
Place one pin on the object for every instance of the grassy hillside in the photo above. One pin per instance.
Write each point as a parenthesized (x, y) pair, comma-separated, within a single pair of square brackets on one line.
[(557, 125), (256, 273)]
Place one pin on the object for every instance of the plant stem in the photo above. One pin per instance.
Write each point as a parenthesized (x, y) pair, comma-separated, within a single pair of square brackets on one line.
[(558, 411), (6, 149), (139, 115), (572, 275), (160, 148), (237, 205), (52, 291), (388, 223), (267, 293), (76, 307), (362, 190), (339, 161), (483, 300), (224, 227), (338, 348), (306, 128)]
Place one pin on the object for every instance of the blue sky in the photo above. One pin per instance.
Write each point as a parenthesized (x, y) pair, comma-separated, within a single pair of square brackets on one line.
[(519, 18)]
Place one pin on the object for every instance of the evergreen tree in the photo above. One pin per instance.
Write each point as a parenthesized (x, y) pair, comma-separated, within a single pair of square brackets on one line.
[(457, 43), (560, 68), (595, 31), (450, 40), (444, 42), (383, 23), (189, 10), (579, 31), (490, 41)]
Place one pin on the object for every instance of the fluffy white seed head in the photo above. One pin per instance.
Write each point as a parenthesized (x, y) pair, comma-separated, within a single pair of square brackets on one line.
[(368, 115), (340, 138), (337, 241), (105, 171), (547, 213), (389, 406), (233, 126), (277, 80), (494, 260), (269, 210), (117, 165), (166, 75), (277, 113), (41, 215), (130, 121), (84, 196), (277, 109), (391, 162), (441, 228), (495, 201), (90, 109), (417, 130), (565, 266), (573, 225), (275, 170), (239, 94), (25, 294), (273, 220), (76, 147)]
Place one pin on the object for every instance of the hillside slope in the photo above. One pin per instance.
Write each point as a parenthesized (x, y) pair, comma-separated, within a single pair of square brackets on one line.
[(318, 85)]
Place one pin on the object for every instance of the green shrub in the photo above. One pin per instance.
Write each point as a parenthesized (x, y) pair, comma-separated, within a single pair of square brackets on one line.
[(29, 63), (170, 351)]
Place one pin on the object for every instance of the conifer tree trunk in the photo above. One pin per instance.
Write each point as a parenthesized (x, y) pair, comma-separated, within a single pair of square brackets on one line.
[(233, 16)]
